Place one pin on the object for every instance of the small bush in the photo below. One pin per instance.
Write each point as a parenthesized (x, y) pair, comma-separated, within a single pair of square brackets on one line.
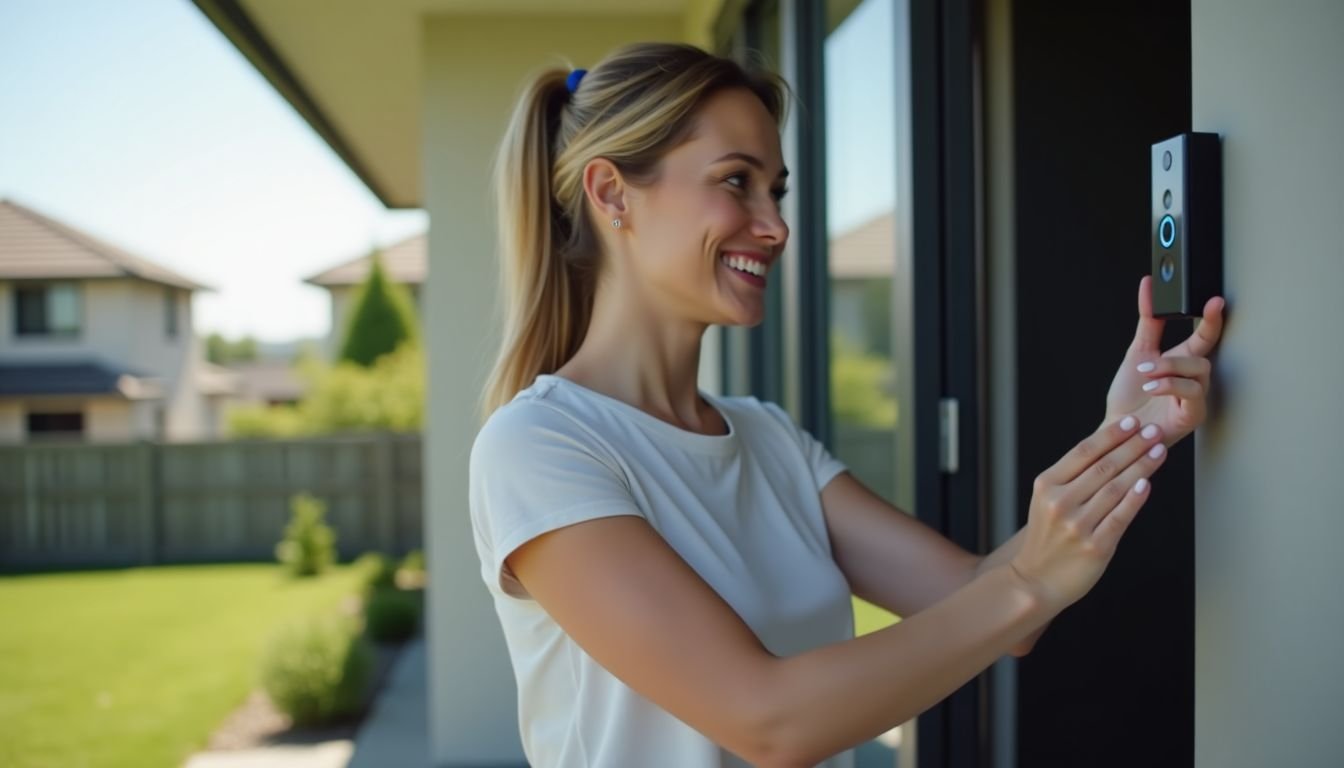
[(317, 669), (368, 562), (309, 545), (379, 572), (392, 615), (413, 561), (411, 574)]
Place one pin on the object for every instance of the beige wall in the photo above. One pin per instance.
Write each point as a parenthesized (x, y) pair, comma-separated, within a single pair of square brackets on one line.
[(12, 424), (108, 420), (474, 68), (1269, 675), (111, 419), (123, 325)]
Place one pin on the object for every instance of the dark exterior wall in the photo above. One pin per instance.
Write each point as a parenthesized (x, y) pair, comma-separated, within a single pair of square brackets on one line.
[(1112, 682)]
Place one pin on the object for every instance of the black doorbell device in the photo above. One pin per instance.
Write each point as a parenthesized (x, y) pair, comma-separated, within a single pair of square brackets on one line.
[(1187, 224)]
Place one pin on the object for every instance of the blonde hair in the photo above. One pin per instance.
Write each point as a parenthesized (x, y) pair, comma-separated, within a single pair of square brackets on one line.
[(631, 108)]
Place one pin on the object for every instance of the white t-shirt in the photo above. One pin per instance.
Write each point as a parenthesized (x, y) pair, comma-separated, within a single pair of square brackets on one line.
[(742, 509)]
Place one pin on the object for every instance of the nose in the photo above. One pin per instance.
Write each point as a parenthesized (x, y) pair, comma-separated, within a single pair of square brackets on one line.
[(768, 225)]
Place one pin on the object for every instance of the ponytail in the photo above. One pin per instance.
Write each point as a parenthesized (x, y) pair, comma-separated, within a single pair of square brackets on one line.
[(547, 301)]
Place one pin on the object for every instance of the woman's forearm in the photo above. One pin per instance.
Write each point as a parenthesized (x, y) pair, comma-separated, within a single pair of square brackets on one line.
[(1005, 552), (999, 557), (832, 698)]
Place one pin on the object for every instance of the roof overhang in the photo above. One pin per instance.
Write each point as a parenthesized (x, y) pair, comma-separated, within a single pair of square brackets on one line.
[(48, 379), (353, 68)]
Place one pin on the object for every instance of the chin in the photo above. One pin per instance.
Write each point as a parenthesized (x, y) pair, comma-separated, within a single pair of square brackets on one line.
[(743, 321)]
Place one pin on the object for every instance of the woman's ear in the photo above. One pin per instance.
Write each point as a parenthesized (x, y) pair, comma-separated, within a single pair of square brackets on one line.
[(604, 187)]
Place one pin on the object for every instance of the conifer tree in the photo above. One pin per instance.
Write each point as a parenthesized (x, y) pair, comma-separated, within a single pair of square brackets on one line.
[(382, 318)]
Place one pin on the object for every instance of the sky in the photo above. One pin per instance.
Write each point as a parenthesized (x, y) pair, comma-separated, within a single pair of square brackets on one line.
[(137, 122), (860, 67)]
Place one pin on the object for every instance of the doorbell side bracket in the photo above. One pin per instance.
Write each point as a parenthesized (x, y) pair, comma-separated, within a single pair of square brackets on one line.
[(1187, 224)]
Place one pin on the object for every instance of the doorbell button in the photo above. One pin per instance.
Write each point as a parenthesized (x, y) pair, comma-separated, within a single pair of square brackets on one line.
[(1168, 269)]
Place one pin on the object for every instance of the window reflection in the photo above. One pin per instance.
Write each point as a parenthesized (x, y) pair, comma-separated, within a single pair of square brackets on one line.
[(861, 206), (868, 409)]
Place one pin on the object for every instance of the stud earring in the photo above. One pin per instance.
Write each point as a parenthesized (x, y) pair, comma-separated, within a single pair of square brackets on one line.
[(616, 223)]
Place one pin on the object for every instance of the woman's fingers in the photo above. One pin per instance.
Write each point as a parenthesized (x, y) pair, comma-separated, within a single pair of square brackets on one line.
[(1186, 389), (1083, 455), (1197, 368), (1113, 526), (1101, 479), (1148, 456), (1188, 367)]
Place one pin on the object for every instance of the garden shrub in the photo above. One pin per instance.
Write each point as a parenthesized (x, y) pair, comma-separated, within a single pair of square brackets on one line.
[(413, 561), (392, 615), (309, 544), (317, 669), (379, 572)]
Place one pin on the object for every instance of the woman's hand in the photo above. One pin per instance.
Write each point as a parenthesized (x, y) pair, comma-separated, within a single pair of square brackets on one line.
[(1178, 402), (1081, 507)]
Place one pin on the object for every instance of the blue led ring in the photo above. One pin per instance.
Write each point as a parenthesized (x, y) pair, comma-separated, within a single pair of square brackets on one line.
[(1166, 231)]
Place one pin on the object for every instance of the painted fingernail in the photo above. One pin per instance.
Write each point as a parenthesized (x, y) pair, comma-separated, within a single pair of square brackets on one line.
[(1141, 486), (1156, 451), (1149, 432), (1150, 386), (1128, 423), (1147, 367)]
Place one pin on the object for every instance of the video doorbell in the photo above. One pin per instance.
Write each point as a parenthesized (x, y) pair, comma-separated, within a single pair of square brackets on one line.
[(1187, 224)]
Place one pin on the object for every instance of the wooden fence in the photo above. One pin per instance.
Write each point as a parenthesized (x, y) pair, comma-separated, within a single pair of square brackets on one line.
[(73, 505)]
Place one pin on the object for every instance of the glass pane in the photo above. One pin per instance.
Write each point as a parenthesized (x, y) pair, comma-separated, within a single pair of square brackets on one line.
[(30, 309), (63, 308), (868, 407), (55, 425)]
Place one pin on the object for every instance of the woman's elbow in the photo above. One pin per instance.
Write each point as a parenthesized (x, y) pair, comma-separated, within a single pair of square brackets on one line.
[(781, 741)]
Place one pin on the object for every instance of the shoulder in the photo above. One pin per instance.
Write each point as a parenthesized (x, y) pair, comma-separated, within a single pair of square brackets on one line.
[(538, 422), (756, 414)]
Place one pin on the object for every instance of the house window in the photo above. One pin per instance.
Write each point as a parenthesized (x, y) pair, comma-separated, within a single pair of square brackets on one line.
[(45, 426), (170, 312), (49, 309)]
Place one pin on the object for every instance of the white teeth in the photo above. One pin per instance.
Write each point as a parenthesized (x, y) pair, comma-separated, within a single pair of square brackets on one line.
[(745, 265)]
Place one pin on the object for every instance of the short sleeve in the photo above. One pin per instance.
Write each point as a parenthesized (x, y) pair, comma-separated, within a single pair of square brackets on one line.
[(824, 465), (534, 469)]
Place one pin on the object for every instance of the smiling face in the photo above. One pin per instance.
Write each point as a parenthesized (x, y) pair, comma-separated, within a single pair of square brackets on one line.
[(705, 236)]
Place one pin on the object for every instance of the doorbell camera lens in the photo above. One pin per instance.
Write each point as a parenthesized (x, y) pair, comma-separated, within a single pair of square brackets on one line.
[(1166, 160), (1166, 199), (1166, 231)]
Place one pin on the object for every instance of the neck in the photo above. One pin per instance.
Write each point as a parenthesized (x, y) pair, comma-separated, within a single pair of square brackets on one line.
[(639, 355)]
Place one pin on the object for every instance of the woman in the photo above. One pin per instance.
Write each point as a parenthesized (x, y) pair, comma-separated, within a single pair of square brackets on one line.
[(673, 570)]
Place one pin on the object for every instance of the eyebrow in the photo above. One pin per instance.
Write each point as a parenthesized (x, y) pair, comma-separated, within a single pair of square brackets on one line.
[(750, 160)]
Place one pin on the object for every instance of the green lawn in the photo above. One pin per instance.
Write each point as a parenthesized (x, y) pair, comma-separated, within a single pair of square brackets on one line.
[(870, 618), (135, 668)]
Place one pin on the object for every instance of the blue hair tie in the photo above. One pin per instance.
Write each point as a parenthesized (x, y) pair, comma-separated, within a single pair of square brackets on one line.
[(572, 82)]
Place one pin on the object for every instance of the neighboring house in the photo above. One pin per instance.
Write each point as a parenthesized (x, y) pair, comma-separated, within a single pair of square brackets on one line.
[(97, 344), (268, 382), (405, 262), (861, 266)]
